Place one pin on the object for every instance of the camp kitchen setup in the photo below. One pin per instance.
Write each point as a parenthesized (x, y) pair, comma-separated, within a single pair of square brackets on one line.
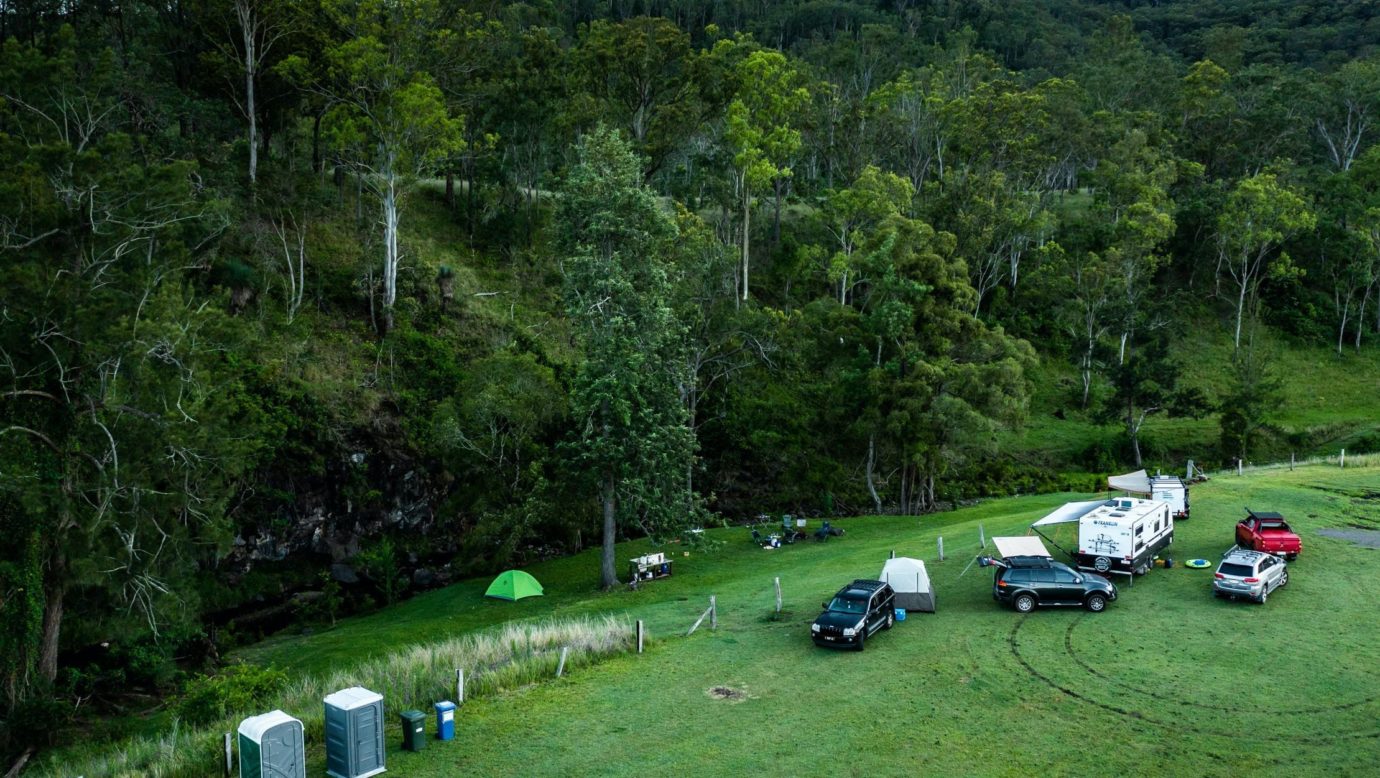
[(1121, 536)]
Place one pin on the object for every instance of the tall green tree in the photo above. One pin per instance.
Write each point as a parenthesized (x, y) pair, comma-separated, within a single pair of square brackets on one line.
[(1146, 382), (633, 439), (121, 433), (762, 131), (1260, 214)]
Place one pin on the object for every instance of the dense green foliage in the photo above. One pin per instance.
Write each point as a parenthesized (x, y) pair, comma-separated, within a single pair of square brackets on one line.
[(397, 285)]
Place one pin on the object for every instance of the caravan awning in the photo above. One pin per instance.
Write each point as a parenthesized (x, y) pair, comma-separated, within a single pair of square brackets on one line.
[(1023, 546), (1138, 482), (1069, 512)]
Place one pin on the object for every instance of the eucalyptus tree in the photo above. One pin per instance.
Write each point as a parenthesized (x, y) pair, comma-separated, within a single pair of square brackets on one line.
[(761, 128), (1347, 107), (389, 120), (632, 436), (1260, 214)]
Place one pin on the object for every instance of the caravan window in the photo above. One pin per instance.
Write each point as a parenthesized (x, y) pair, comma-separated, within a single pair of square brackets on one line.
[(1139, 528), (1157, 526)]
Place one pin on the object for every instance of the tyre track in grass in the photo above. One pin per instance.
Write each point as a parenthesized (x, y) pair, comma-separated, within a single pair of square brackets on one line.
[(1073, 654), (1013, 644)]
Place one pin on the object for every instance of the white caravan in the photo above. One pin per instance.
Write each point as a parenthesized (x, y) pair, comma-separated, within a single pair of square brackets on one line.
[(1115, 536), (1165, 488)]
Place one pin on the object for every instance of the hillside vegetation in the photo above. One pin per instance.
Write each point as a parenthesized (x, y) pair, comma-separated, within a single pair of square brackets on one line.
[(311, 306)]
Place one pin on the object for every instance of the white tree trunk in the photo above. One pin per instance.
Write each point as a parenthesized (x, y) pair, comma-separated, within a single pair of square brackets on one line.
[(871, 466), (1341, 329), (390, 243), (747, 214), (1240, 309), (249, 32)]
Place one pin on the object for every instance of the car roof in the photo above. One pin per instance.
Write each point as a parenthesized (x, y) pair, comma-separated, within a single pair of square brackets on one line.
[(1244, 555)]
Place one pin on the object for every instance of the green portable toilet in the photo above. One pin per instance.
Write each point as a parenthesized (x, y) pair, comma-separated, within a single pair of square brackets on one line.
[(271, 747), (513, 585), (354, 733)]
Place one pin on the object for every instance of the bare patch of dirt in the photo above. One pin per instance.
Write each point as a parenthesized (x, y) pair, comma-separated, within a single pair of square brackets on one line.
[(726, 693), (1362, 537)]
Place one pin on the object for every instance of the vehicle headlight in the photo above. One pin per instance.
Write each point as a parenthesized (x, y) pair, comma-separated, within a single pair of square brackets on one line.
[(848, 632), (814, 627)]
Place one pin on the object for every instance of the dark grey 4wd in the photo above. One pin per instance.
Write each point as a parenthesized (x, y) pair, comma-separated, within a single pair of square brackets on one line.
[(1031, 581), (858, 610)]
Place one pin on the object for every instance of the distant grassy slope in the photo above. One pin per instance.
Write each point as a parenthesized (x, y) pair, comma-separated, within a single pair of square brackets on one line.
[(1328, 402), (1163, 683)]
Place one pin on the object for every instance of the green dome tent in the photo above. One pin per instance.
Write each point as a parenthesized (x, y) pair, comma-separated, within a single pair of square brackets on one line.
[(513, 585)]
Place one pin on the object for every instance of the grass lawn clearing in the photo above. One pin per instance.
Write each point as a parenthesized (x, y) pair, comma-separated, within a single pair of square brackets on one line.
[(1168, 680)]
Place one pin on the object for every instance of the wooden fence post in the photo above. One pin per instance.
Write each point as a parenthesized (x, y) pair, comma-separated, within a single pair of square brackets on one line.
[(1291, 461), (560, 669), (778, 594), (1342, 461), (982, 536), (229, 756), (459, 687), (1238, 466), (713, 613), (941, 548), (639, 636)]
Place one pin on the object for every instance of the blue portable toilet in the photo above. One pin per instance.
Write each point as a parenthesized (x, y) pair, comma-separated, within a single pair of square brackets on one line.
[(354, 733), (445, 720)]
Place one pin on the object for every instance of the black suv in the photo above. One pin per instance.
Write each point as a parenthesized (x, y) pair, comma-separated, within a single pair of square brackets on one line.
[(858, 610), (1028, 581)]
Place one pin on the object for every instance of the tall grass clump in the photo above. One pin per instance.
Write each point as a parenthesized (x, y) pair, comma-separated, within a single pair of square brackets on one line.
[(509, 657)]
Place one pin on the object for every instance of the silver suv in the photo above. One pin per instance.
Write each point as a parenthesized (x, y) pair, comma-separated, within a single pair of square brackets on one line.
[(1245, 573)]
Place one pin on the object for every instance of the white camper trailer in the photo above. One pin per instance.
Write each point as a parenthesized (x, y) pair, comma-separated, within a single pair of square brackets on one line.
[(1165, 488), (1116, 536)]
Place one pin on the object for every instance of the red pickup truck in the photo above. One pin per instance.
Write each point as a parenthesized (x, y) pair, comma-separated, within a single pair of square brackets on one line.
[(1268, 532)]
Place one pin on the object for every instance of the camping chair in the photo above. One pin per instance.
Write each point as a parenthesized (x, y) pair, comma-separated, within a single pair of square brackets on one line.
[(789, 534), (823, 532)]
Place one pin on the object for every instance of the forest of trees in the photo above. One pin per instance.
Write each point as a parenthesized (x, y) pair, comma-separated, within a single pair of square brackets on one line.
[(533, 276)]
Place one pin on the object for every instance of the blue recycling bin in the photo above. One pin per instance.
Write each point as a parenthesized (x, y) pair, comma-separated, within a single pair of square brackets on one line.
[(445, 720)]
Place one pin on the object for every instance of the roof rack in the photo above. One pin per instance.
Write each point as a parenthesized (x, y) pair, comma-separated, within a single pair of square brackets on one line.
[(866, 584), (1028, 561)]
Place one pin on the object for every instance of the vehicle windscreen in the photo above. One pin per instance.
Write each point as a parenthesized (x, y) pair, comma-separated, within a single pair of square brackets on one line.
[(1231, 568), (846, 605), (1274, 525)]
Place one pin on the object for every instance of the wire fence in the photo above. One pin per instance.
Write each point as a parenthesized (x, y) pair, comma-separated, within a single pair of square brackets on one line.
[(1341, 460)]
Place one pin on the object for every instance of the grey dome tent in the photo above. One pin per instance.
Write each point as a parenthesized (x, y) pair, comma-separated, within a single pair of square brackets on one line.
[(911, 582)]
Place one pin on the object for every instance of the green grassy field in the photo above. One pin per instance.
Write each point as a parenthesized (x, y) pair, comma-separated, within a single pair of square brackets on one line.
[(1167, 681)]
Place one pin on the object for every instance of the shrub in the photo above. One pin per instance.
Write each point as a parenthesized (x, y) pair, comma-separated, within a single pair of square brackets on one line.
[(237, 689)]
